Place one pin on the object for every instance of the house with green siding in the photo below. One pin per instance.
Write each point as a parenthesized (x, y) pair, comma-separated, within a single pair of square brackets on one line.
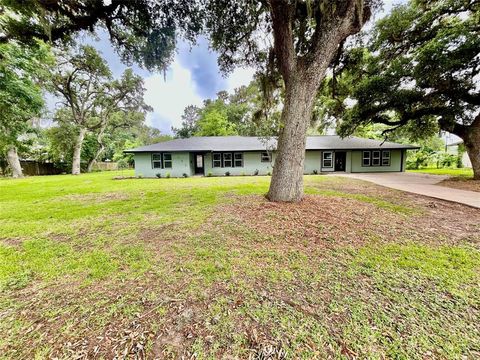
[(246, 155)]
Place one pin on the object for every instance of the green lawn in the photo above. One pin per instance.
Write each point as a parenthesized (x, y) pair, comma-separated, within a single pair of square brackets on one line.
[(93, 267), (463, 172)]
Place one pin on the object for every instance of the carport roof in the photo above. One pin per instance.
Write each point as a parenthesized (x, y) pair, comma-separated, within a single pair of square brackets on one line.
[(251, 143)]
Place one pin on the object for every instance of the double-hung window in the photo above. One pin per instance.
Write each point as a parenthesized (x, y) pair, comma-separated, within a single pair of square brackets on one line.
[(366, 158), (227, 160), (376, 158), (217, 160), (266, 157), (167, 160), (156, 161), (327, 159), (385, 158), (238, 159)]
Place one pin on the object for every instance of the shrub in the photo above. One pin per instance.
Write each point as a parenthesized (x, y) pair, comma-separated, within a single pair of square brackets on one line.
[(140, 176), (158, 175), (417, 159), (255, 173), (167, 175), (243, 173), (447, 160), (269, 173), (315, 172), (185, 175), (209, 174), (227, 173)]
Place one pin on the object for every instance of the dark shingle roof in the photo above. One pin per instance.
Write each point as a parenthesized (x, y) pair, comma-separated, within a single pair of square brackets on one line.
[(251, 143)]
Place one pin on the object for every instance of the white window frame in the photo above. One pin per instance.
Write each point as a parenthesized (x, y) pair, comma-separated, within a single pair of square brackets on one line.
[(167, 163), (265, 156), (226, 160), (240, 159), (157, 160), (218, 161), (325, 160), (376, 158), (369, 158), (386, 155)]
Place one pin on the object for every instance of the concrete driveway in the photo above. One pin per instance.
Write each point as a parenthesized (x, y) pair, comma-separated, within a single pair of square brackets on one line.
[(423, 184)]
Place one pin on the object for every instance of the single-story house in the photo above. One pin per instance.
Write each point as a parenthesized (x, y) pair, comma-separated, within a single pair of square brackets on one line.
[(244, 155)]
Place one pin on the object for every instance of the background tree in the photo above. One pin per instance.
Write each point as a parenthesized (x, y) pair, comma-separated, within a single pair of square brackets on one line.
[(306, 36), (122, 107), (214, 123), (246, 110), (93, 99), (420, 72), (190, 117), (21, 70)]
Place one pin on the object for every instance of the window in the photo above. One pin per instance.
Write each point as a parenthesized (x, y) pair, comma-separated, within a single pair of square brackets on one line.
[(217, 160), (238, 159), (156, 161), (366, 158), (386, 158), (227, 160), (327, 159), (376, 158), (167, 160), (266, 157)]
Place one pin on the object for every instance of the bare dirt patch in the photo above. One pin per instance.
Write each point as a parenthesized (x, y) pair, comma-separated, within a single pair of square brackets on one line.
[(462, 184), (96, 197)]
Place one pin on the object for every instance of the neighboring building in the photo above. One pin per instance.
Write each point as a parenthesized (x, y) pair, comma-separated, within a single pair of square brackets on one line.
[(453, 148), (241, 155)]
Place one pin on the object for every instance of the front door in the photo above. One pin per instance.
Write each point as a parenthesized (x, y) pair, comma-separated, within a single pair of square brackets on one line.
[(198, 163), (340, 160)]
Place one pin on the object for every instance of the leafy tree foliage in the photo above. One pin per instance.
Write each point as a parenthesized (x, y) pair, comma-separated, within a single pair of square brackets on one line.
[(142, 31), (190, 117), (420, 71), (215, 123), (244, 112), (93, 101), (21, 71)]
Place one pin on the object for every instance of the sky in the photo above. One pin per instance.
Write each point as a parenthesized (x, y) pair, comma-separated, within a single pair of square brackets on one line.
[(193, 76)]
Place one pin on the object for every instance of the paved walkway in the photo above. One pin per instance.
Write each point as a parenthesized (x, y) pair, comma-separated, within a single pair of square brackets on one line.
[(423, 184)]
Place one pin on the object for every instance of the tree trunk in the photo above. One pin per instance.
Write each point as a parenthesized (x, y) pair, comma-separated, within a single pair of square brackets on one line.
[(96, 156), (287, 178), (77, 151), (14, 162), (472, 146)]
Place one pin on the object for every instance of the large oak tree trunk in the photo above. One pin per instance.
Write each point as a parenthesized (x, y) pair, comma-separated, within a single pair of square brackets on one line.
[(287, 179), (472, 146), (302, 75), (77, 151), (14, 162)]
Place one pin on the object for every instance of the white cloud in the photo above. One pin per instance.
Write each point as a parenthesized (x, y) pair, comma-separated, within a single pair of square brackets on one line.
[(169, 97), (239, 77)]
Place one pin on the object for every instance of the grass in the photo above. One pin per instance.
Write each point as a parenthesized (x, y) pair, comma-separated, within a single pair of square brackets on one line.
[(463, 172), (206, 267)]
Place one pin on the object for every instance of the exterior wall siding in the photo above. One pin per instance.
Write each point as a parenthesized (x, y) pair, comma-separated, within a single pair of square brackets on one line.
[(180, 165), (251, 163), (395, 163), (183, 163), (312, 162)]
